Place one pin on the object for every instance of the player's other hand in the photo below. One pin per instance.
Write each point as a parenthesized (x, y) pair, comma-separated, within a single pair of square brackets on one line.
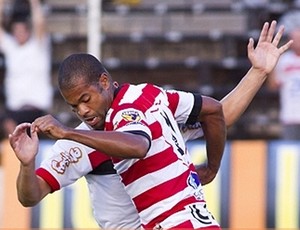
[(24, 144), (205, 173), (50, 126)]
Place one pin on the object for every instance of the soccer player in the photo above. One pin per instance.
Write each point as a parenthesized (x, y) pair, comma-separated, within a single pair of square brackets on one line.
[(85, 163), (141, 135)]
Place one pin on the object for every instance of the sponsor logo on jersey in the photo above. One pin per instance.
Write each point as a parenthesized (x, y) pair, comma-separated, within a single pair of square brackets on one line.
[(66, 158), (185, 127)]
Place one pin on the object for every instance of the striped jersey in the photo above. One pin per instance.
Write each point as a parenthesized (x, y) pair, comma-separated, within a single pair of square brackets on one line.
[(164, 185)]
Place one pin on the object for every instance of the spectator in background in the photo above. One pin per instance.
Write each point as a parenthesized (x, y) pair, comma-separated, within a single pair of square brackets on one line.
[(25, 45), (286, 79)]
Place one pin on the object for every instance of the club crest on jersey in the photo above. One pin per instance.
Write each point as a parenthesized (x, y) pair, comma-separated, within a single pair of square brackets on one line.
[(66, 158), (194, 182), (131, 116)]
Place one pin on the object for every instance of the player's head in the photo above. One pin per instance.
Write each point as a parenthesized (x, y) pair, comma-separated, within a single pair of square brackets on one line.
[(87, 87)]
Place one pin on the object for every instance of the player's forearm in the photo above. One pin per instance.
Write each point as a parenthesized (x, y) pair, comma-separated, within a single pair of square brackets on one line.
[(28, 189), (214, 130), (115, 144), (236, 102), (215, 133)]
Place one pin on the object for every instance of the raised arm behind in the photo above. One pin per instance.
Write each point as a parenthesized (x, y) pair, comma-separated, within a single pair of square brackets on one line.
[(263, 59), (38, 19)]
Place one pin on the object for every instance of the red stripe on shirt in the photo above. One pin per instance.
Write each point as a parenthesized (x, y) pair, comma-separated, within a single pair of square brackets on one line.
[(210, 228), (97, 158), (148, 165), (53, 183), (120, 94), (177, 208), (156, 130), (147, 102), (186, 224), (142, 102), (173, 99), (161, 191)]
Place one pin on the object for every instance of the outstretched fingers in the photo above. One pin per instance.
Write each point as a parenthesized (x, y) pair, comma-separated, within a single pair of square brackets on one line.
[(250, 46), (267, 35), (264, 33), (278, 36), (271, 31), (285, 47), (268, 31)]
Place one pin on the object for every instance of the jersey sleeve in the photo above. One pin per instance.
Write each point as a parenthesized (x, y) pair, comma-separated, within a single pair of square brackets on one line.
[(185, 106), (67, 161)]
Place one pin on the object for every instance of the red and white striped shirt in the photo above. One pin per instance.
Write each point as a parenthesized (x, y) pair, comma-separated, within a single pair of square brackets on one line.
[(164, 185)]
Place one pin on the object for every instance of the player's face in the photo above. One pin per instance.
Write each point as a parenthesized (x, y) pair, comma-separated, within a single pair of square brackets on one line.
[(89, 102)]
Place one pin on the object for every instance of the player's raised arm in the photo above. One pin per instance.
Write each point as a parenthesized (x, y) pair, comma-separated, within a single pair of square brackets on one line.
[(263, 58)]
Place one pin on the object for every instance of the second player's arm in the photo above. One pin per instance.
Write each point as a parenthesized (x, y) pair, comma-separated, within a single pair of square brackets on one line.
[(238, 100), (263, 58)]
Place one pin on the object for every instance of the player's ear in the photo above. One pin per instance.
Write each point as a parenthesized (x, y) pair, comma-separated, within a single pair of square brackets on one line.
[(104, 81)]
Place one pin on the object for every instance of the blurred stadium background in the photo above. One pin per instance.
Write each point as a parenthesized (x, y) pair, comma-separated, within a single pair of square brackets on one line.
[(196, 45)]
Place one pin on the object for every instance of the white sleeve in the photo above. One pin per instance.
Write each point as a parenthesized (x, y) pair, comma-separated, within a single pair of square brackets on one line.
[(66, 162), (181, 104)]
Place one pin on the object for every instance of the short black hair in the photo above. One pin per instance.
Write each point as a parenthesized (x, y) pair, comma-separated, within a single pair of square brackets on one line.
[(79, 66)]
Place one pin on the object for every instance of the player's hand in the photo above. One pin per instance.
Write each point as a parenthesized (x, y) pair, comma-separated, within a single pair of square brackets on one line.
[(265, 55), (49, 126), (206, 174), (24, 145)]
